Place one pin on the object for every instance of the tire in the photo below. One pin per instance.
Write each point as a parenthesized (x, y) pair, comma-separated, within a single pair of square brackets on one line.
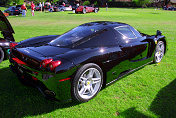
[(84, 88), (1, 55), (96, 10), (159, 52), (84, 11)]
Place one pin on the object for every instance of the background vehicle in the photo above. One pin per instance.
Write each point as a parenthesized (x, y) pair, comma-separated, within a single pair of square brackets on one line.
[(86, 9), (13, 10), (37, 8), (19, 8), (6, 36), (6, 14), (59, 8), (79, 63)]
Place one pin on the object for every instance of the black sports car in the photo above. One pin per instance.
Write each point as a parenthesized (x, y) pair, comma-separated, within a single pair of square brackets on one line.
[(79, 63), (13, 10), (6, 36)]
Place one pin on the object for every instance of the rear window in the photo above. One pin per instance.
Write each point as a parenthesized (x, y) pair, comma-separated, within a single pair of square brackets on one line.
[(75, 35)]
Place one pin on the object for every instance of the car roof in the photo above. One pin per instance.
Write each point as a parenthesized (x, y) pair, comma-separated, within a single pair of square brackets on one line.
[(105, 24)]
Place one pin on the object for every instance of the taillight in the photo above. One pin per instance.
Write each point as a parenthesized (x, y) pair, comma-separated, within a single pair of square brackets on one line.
[(16, 10), (34, 78), (12, 45), (45, 62), (54, 64)]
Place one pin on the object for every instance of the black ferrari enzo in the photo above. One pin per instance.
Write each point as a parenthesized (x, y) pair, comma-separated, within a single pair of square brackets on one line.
[(6, 36), (79, 63)]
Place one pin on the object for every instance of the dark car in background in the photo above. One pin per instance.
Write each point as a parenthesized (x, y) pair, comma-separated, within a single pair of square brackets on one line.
[(13, 10), (19, 8), (80, 62), (6, 36)]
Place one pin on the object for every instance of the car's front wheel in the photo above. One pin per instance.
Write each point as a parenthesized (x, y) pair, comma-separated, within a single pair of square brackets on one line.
[(84, 11), (159, 52), (87, 82), (1, 55)]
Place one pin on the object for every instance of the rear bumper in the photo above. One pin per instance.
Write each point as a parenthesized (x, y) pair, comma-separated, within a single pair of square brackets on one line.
[(48, 84)]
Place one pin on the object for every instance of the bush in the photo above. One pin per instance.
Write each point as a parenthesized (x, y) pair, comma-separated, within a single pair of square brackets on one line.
[(86, 3), (141, 2)]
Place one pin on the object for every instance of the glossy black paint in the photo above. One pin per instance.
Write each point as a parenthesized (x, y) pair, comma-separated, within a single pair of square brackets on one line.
[(107, 48)]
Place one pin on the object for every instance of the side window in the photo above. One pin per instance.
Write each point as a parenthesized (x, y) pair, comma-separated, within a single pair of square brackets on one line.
[(136, 32), (105, 37), (126, 32)]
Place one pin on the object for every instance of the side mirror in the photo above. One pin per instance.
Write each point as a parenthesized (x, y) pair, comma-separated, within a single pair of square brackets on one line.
[(158, 33)]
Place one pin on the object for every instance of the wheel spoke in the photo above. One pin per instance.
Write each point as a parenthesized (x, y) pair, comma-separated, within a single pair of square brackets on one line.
[(83, 90), (83, 78), (91, 73), (90, 90), (95, 80), (162, 48)]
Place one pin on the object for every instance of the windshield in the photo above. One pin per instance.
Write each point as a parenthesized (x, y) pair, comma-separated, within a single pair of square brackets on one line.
[(74, 35)]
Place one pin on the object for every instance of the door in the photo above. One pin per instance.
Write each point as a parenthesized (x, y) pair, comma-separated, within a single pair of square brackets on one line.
[(133, 46), (5, 28)]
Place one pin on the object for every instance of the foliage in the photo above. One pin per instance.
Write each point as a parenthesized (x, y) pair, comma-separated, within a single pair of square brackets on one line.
[(141, 2), (18, 1), (86, 3), (5, 2)]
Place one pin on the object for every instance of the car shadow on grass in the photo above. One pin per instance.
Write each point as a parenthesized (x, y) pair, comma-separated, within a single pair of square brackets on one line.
[(17, 100), (164, 105)]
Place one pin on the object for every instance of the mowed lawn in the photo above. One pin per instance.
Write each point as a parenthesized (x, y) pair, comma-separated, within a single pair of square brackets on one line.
[(148, 92)]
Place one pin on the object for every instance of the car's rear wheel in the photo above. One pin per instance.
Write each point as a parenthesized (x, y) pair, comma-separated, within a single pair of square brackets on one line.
[(1, 55), (96, 10), (84, 11), (159, 52), (87, 82)]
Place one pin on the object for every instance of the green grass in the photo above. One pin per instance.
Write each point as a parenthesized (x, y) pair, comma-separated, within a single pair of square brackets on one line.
[(149, 92)]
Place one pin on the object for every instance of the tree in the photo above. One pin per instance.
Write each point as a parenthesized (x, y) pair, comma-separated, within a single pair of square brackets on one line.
[(18, 1), (141, 2), (5, 2)]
